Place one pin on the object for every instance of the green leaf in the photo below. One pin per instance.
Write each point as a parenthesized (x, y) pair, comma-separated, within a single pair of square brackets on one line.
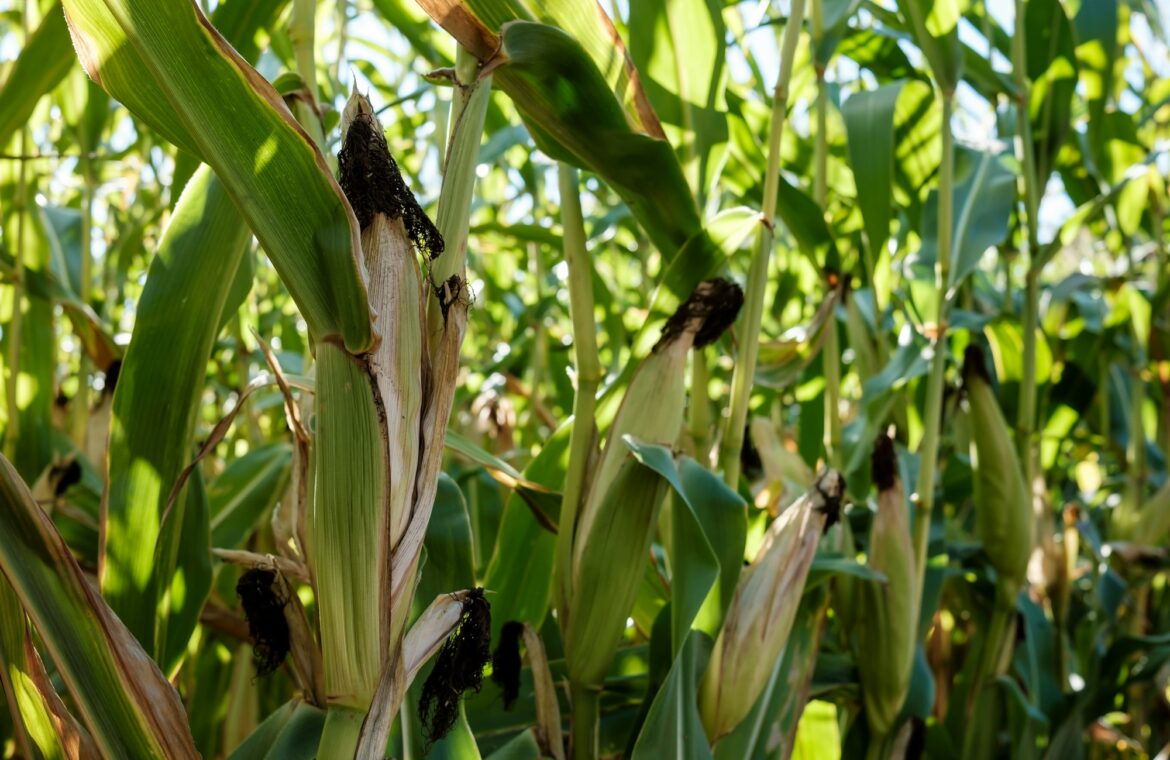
[(449, 566), (30, 693), (28, 440), (44, 61), (239, 21), (291, 733), (869, 122), (825, 566), (707, 545), (156, 401), (985, 194), (573, 116), (246, 491), (125, 701), (142, 54), (673, 727), (522, 747), (1052, 70), (935, 27), (521, 567), (679, 48), (183, 596)]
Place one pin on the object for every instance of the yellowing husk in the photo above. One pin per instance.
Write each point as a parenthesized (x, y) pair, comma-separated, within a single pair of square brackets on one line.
[(613, 532), (345, 542), (609, 569), (1003, 507), (887, 611), (652, 411), (764, 607), (368, 446)]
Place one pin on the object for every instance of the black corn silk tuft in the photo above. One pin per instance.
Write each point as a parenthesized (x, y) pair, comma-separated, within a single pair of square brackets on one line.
[(506, 662), (458, 668), (449, 292), (111, 379), (373, 184), (974, 364), (884, 462), (832, 506), (749, 455), (266, 622), (67, 475), (715, 303)]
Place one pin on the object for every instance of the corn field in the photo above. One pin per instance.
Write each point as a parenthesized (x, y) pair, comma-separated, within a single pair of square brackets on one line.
[(584, 378)]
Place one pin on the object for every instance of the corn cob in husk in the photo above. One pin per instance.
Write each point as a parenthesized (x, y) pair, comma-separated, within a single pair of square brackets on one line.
[(619, 514), (887, 611), (764, 607)]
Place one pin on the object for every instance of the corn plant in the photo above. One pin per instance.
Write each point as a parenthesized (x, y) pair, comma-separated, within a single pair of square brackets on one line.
[(471, 378)]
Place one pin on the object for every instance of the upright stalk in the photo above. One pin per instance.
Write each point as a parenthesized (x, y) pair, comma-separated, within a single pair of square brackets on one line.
[(581, 437), (538, 366), (928, 449), (302, 32), (12, 433), (589, 373), (1027, 406), (831, 354), (583, 731), (748, 336), (80, 412)]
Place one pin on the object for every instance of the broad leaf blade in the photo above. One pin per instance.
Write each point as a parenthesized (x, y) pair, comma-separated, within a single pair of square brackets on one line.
[(43, 63), (869, 121), (157, 397), (228, 115), (129, 707)]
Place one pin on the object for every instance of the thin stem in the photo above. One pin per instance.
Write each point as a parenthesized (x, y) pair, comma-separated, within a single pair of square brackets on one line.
[(748, 338), (831, 355), (932, 416), (12, 433), (988, 664), (589, 373), (302, 32), (1156, 211), (538, 366), (80, 411), (1024, 145), (583, 737), (466, 132)]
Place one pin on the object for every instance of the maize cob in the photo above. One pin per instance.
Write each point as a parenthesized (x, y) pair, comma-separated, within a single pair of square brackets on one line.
[(887, 611), (654, 405), (617, 521), (763, 608), (1003, 512), (369, 411)]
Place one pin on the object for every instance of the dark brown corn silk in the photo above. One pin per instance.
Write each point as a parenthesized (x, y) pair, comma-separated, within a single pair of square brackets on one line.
[(832, 490), (506, 662), (65, 475), (710, 309), (884, 462), (373, 184), (974, 364), (264, 609), (458, 668)]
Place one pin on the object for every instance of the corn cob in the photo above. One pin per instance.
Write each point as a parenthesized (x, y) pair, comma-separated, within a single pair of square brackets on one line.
[(620, 511), (886, 626), (763, 608), (1003, 513), (369, 410)]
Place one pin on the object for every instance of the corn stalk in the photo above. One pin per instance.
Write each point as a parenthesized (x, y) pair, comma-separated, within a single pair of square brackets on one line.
[(749, 344)]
